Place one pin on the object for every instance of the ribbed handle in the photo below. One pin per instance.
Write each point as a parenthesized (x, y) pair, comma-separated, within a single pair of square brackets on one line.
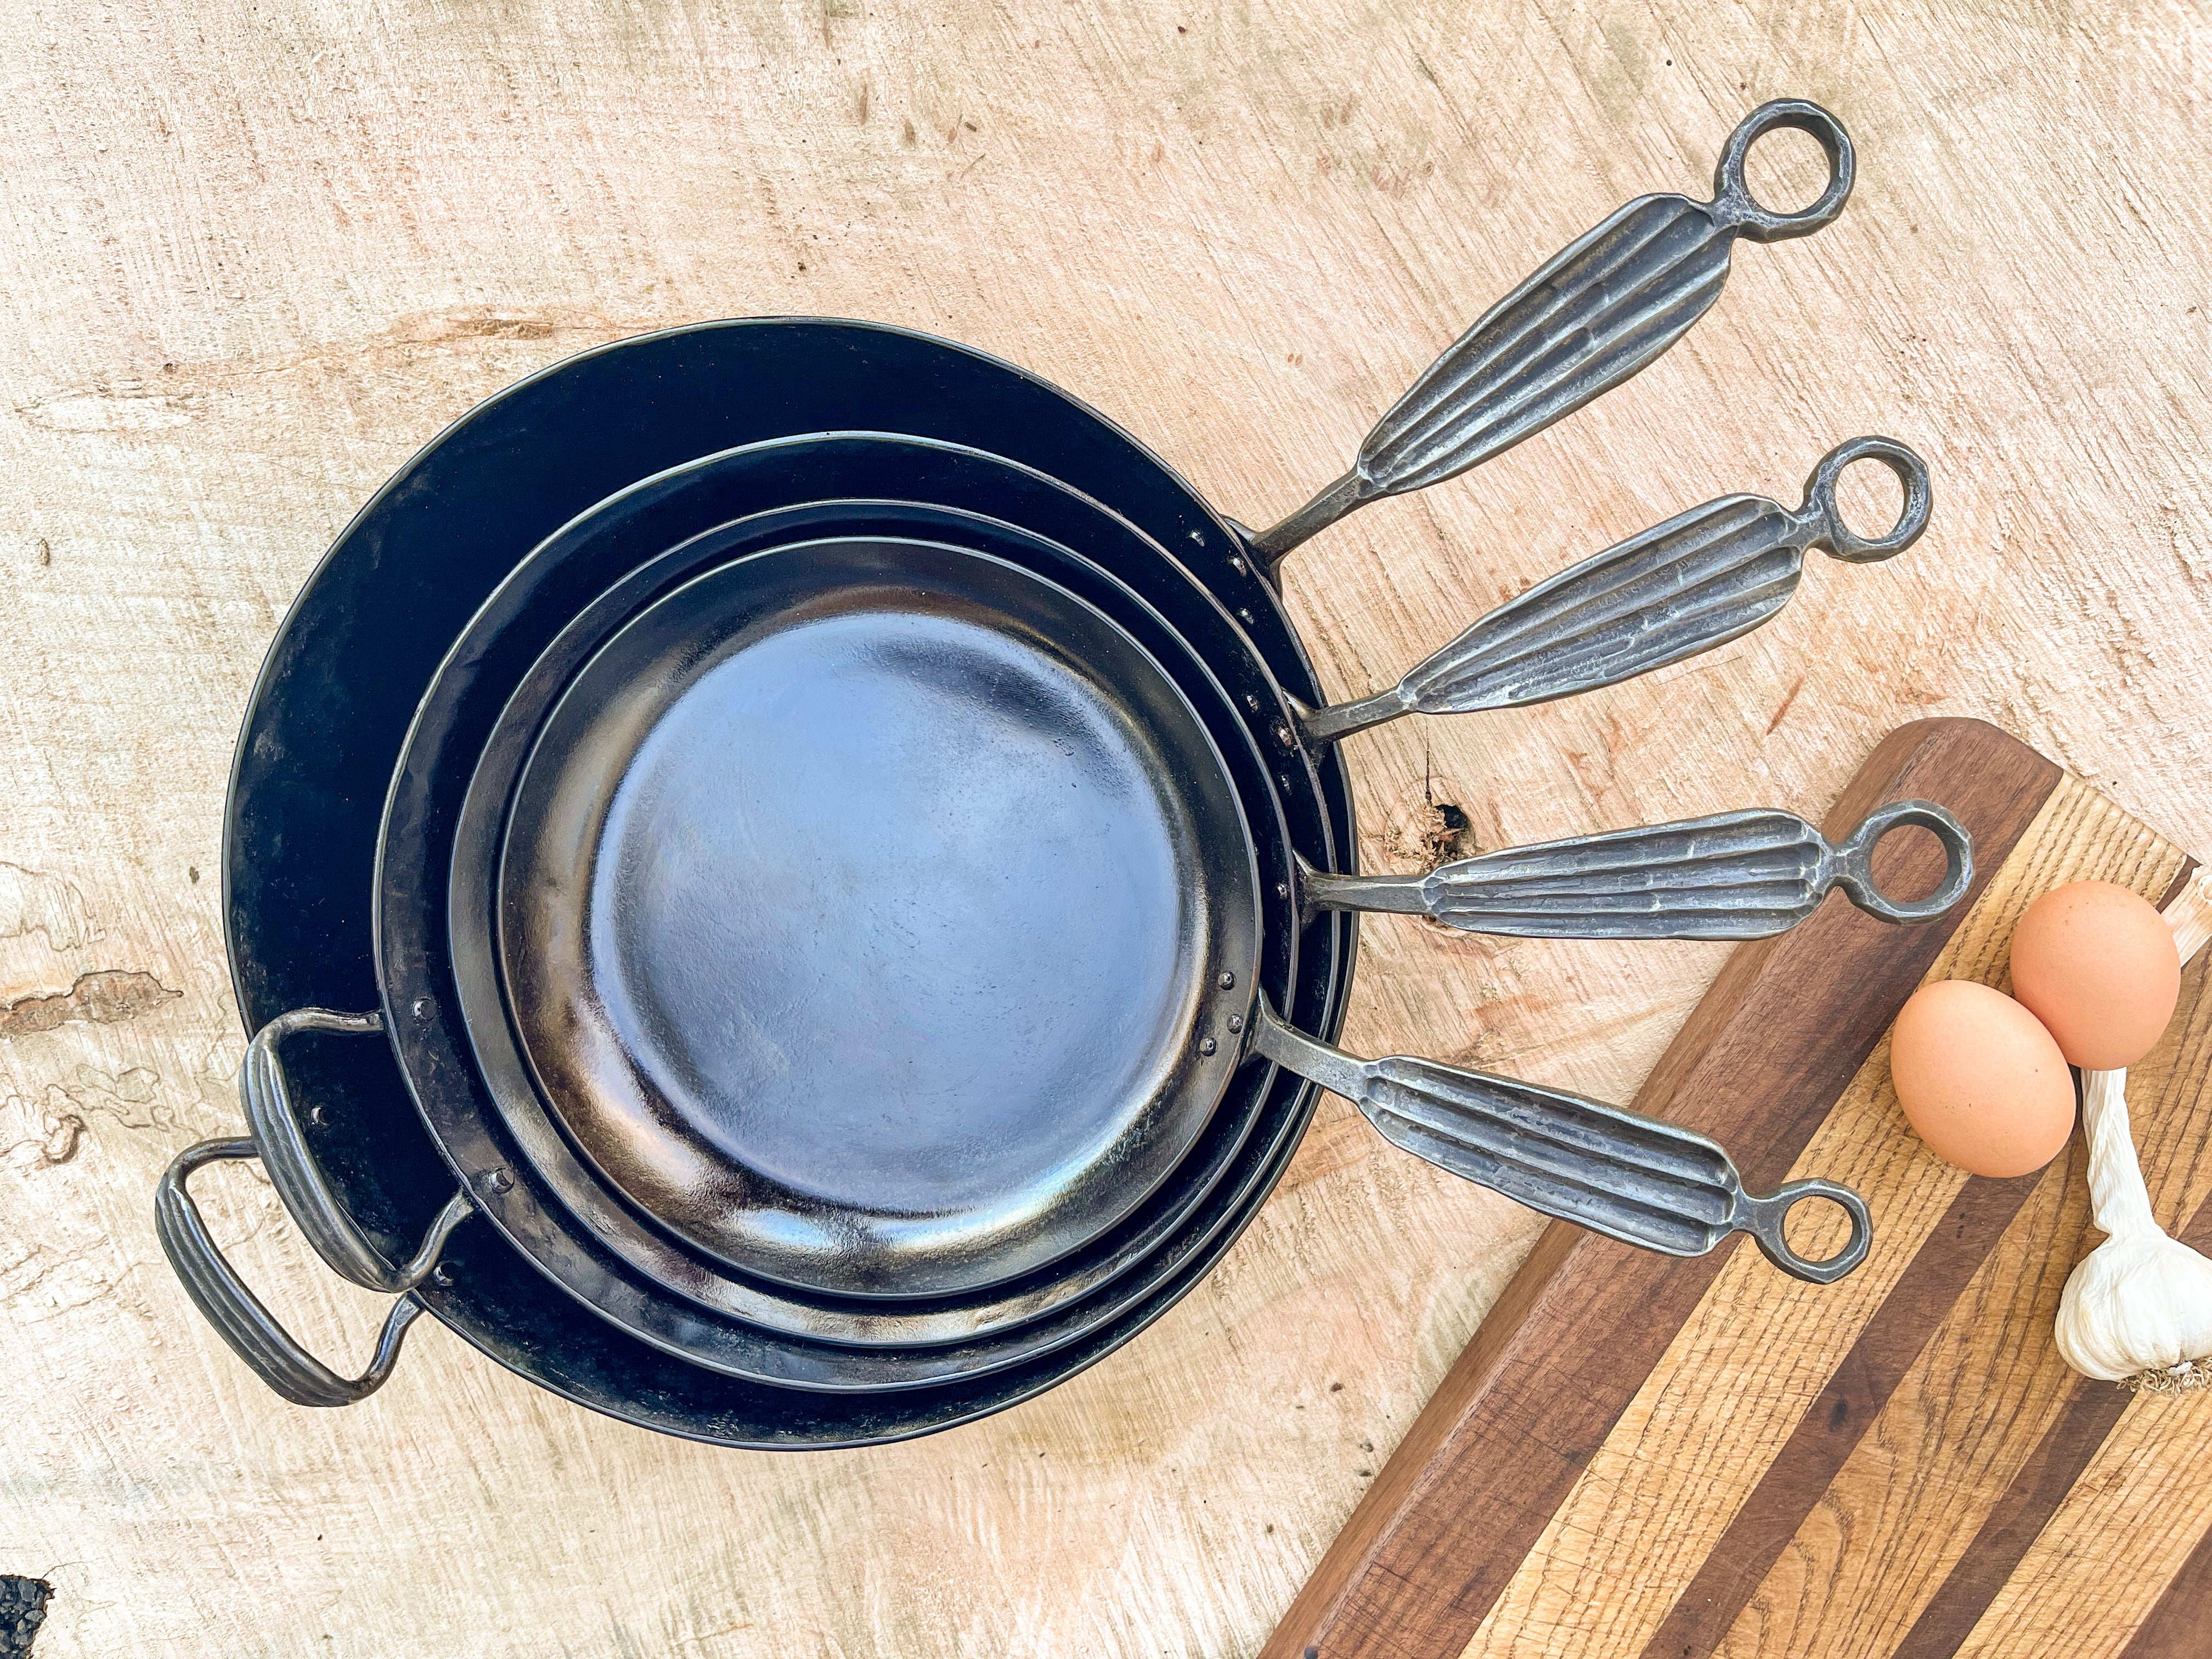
[(1615, 1172), (1731, 876), (1599, 310), (1698, 580), (228, 1303), (280, 1142)]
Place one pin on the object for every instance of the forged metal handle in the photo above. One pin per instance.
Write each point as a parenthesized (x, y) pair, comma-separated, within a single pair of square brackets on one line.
[(1599, 310), (278, 1141), (1615, 1172), (1699, 579), (1732, 876)]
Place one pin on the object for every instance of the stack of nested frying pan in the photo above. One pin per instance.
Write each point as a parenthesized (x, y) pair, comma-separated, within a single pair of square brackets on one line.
[(864, 891)]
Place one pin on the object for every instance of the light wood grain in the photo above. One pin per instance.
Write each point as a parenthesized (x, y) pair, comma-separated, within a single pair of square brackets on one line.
[(1899, 1516), (1905, 1506), (1732, 1388), (254, 256)]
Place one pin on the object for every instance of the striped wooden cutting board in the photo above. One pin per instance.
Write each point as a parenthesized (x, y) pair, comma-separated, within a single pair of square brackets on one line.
[(1642, 1458)]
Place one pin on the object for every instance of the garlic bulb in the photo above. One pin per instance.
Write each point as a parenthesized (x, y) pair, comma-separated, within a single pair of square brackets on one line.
[(2138, 1308)]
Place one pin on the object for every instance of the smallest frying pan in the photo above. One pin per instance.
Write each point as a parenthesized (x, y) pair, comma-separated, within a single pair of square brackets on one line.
[(855, 907), (876, 916)]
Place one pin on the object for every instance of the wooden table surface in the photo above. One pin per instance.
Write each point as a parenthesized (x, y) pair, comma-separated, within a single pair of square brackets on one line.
[(252, 256)]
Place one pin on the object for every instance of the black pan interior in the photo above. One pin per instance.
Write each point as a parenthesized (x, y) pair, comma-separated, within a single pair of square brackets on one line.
[(860, 902)]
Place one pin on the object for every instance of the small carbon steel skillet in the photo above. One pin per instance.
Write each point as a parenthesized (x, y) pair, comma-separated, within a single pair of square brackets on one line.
[(856, 903), (875, 914)]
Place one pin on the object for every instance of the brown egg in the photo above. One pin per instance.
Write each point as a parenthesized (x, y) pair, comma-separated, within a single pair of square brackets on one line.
[(1980, 1079), (2096, 964)]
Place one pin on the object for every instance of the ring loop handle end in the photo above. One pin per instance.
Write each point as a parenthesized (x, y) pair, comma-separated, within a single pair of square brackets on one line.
[(1765, 1220), (1840, 540), (1855, 861), (1734, 206)]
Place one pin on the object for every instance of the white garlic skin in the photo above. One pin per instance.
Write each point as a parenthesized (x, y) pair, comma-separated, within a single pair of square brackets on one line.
[(2139, 1302)]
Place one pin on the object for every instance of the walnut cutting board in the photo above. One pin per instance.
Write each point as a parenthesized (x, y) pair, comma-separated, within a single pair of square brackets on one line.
[(1642, 1458)]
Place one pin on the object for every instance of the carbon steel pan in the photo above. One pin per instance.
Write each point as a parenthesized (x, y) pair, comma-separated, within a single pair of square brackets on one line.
[(553, 1184), (857, 911), (1594, 315), (682, 887), (320, 740)]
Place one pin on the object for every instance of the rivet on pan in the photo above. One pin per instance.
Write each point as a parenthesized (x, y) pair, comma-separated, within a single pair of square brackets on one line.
[(424, 1008), (1251, 702), (1206, 1045), (315, 1114), (1284, 778), (1198, 536), (441, 1274), (1282, 889), (1229, 981), (1237, 565), (1283, 735), (1245, 614), (498, 1181), (1236, 1024)]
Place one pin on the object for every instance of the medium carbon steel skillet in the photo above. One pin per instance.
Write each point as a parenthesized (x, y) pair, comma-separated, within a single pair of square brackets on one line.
[(633, 1235), (1738, 875), (550, 1180)]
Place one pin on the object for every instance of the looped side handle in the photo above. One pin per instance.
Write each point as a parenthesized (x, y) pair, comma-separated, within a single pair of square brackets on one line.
[(1855, 861), (1763, 1217), (1839, 537), (283, 1144), (1733, 205), (238, 1314), (223, 1298)]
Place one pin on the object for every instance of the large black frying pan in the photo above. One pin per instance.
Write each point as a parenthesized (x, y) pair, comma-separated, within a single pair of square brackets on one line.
[(381, 1175), (1527, 373)]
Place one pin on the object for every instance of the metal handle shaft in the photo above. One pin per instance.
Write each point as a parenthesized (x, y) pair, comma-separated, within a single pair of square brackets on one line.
[(1615, 1172), (1599, 310), (279, 1141), (1732, 876), (1698, 580)]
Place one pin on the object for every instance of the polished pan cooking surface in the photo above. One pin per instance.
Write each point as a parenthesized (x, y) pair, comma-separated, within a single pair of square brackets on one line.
[(853, 919)]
